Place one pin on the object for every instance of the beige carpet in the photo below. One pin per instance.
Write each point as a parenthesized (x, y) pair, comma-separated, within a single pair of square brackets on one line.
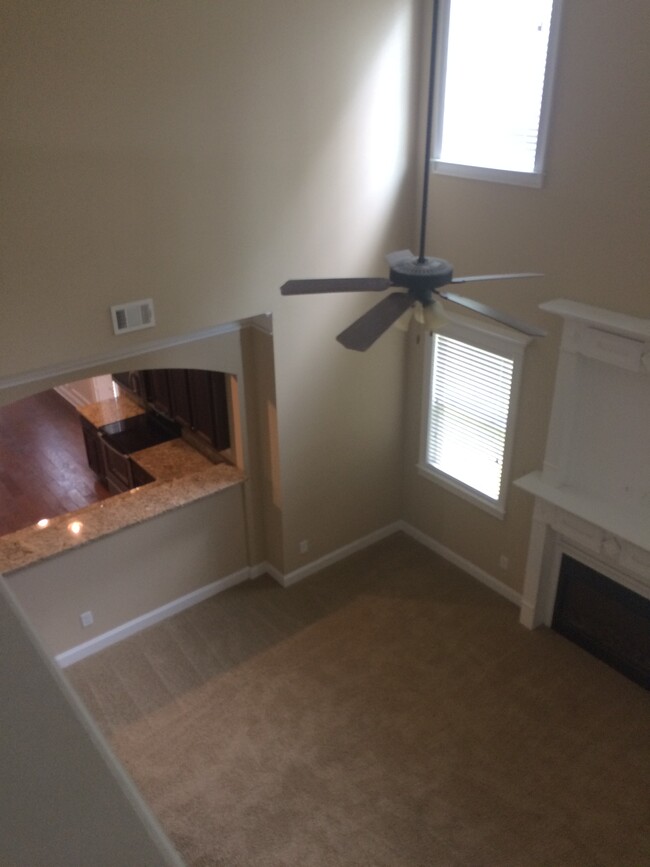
[(387, 712)]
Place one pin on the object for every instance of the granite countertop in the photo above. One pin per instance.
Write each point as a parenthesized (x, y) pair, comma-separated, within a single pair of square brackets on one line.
[(110, 410), (171, 459), (182, 475)]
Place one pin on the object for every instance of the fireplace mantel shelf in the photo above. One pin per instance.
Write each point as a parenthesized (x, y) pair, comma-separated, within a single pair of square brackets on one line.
[(629, 521), (598, 317)]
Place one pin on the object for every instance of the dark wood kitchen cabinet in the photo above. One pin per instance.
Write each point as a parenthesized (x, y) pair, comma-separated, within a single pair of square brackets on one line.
[(116, 470), (221, 420), (209, 406), (119, 477), (180, 396), (157, 391), (198, 384), (94, 450)]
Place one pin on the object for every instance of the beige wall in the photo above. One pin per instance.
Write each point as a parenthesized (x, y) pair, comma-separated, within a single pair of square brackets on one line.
[(586, 229), (63, 799), (202, 154), (130, 573)]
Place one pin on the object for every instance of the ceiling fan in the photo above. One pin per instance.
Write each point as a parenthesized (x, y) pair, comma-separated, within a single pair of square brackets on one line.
[(421, 276)]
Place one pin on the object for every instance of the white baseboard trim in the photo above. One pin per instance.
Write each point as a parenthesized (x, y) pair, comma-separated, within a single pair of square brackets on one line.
[(528, 617), (471, 569), (81, 651), (333, 557), (266, 568), (399, 526)]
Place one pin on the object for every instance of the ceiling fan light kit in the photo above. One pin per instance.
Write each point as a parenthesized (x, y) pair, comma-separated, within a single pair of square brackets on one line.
[(423, 277), (433, 316)]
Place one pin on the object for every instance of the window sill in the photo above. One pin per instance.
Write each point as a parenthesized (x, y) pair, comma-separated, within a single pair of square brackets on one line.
[(496, 509), (480, 173)]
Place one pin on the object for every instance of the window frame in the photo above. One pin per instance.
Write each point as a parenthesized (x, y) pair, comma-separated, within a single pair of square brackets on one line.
[(534, 178), (490, 338)]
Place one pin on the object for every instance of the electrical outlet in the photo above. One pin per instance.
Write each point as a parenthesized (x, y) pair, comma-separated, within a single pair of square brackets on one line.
[(304, 546), (504, 562), (87, 619)]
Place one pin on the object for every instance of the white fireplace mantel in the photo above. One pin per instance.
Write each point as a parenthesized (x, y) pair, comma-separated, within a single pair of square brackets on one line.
[(593, 492)]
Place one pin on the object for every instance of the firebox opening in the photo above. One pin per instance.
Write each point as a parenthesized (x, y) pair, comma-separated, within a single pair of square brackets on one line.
[(609, 620)]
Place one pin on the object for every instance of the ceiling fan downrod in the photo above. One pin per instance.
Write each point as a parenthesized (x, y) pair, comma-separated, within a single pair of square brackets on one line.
[(429, 134)]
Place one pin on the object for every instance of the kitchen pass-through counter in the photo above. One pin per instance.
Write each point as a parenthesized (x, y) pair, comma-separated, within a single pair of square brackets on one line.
[(180, 473)]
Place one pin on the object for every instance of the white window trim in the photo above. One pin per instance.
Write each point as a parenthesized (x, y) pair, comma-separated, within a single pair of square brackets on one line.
[(489, 337), (527, 179), (482, 173)]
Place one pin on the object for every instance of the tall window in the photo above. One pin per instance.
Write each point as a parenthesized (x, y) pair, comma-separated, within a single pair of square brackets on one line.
[(495, 70), (473, 379)]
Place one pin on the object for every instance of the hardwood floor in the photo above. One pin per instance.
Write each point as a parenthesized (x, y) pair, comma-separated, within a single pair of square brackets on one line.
[(43, 467)]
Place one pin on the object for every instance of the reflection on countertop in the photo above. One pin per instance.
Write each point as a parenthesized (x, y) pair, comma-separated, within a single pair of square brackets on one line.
[(181, 475), (111, 410)]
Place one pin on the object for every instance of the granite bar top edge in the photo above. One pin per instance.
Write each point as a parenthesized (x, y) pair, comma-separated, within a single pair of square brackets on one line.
[(35, 544)]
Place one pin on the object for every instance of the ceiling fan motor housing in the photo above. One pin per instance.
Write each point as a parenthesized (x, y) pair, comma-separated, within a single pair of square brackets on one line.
[(421, 276)]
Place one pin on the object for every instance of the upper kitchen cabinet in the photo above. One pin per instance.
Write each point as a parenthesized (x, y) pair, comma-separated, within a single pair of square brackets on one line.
[(209, 406), (179, 391), (157, 391)]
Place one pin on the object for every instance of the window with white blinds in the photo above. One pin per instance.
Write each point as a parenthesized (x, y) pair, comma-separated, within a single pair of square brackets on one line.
[(496, 64), (469, 413)]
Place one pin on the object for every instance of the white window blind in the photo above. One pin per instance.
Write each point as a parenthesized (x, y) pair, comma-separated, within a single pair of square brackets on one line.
[(468, 414), (494, 65)]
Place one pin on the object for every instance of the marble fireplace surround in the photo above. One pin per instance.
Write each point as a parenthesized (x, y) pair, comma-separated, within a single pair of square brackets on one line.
[(592, 497)]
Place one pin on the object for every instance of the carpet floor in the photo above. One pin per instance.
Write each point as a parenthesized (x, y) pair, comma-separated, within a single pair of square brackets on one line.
[(390, 712)]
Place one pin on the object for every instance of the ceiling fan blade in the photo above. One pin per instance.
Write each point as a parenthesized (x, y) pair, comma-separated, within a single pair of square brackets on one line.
[(338, 284), (494, 277), (491, 313), (399, 256), (367, 328)]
